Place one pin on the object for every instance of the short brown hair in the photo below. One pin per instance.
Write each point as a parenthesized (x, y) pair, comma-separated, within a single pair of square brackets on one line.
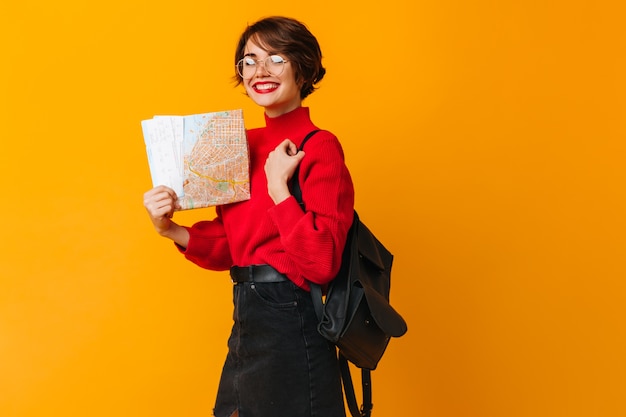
[(289, 37)]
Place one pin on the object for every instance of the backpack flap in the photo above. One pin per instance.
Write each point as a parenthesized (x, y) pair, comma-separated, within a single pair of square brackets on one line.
[(374, 263), (384, 314), (370, 248)]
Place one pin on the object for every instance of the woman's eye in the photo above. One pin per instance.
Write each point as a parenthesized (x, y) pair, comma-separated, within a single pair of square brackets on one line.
[(276, 59), (249, 62)]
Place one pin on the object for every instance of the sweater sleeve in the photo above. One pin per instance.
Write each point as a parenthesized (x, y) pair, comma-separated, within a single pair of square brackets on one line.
[(315, 239), (208, 246)]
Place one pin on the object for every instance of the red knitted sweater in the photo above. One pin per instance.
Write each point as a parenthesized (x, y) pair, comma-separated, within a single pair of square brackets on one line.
[(303, 245)]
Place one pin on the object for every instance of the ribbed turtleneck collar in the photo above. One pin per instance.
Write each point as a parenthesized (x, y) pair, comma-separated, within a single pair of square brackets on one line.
[(293, 123)]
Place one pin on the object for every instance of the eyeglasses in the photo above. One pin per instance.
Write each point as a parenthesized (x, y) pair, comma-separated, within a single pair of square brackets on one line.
[(274, 65)]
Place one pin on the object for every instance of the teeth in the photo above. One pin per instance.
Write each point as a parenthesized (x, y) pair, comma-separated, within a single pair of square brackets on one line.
[(266, 86)]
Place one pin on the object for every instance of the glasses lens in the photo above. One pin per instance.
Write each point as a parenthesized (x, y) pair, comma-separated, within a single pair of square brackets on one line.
[(246, 67), (273, 65)]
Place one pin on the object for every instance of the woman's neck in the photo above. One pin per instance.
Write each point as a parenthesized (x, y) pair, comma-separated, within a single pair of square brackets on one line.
[(277, 112)]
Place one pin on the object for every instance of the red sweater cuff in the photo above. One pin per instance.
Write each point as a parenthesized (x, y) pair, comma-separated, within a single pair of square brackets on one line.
[(205, 249), (286, 215)]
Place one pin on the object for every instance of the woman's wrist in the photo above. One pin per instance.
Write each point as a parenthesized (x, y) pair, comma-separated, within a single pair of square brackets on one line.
[(280, 193), (177, 233)]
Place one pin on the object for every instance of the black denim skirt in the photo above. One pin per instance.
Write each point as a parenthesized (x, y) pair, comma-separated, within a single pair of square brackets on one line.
[(278, 365)]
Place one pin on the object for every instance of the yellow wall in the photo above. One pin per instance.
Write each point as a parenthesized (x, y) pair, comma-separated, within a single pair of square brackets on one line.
[(486, 140)]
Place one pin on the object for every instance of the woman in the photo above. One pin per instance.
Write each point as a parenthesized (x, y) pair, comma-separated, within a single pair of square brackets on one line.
[(277, 364)]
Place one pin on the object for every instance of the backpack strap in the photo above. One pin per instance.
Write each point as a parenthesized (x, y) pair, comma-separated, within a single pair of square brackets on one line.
[(348, 388), (316, 294), (295, 182), (307, 137)]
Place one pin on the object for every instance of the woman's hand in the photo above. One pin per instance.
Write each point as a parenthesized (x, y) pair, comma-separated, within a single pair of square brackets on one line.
[(279, 168), (161, 202)]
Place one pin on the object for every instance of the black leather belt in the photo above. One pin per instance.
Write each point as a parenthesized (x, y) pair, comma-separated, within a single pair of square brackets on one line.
[(256, 273)]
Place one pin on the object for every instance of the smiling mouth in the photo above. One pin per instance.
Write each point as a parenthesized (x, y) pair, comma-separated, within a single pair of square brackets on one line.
[(265, 86)]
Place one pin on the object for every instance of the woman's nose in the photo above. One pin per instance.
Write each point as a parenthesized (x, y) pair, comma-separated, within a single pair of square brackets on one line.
[(260, 66)]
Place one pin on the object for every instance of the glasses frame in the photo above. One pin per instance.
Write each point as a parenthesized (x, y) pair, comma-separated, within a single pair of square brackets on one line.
[(257, 62)]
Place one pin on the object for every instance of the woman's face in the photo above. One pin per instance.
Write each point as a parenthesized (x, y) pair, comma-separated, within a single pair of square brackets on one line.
[(278, 94)]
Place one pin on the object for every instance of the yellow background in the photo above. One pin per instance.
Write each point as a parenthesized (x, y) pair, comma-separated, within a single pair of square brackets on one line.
[(486, 141)]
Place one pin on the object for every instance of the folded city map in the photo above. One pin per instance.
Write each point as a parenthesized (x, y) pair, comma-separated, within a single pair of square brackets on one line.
[(202, 157)]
